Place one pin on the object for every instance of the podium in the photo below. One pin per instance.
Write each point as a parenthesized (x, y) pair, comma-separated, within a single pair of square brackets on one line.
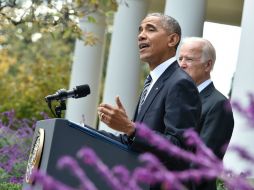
[(54, 138)]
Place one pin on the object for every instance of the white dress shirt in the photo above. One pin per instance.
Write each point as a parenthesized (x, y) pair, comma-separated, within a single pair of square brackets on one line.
[(157, 72), (204, 84)]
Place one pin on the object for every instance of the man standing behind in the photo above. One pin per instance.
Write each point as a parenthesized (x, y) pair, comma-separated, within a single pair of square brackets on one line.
[(169, 103), (197, 57)]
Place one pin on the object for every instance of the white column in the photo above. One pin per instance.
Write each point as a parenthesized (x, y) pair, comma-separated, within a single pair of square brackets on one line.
[(189, 14), (87, 69), (123, 64), (242, 85)]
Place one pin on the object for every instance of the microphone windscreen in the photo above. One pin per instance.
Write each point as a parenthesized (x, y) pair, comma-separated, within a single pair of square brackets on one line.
[(82, 91)]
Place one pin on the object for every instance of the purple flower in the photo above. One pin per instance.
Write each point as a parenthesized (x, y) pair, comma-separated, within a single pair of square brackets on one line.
[(72, 165), (247, 112), (243, 153), (202, 151), (151, 161), (205, 157), (122, 173), (47, 182), (125, 177), (89, 157), (235, 182), (143, 175), (16, 138), (152, 176)]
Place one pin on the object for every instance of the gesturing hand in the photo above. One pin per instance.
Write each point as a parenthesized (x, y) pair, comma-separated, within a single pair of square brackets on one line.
[(115, 117)]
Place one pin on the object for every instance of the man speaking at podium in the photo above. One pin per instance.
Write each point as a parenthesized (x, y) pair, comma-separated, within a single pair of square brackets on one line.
[(169, 103)]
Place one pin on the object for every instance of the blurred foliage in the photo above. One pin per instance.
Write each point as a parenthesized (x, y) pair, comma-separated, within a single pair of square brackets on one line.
[(10, 186), (36, 49), (220, 185), (32, 68), (53, 15)]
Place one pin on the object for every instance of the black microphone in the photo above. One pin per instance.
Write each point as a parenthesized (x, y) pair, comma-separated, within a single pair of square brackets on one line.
[(62, 94)]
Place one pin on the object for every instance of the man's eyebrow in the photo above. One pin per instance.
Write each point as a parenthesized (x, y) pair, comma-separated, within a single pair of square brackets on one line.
[(150, 25)]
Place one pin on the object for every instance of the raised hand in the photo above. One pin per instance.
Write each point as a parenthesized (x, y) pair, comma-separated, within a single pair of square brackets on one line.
[(115, 117)]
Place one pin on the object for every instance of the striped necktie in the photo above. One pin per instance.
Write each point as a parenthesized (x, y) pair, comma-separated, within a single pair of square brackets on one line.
[(144, 92)]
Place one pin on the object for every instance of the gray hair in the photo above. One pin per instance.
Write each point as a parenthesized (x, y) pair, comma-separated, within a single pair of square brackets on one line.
[(208, 51), (169, 23)]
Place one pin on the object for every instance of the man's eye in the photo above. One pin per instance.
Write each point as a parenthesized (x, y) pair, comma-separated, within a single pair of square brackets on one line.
[(151, 29)]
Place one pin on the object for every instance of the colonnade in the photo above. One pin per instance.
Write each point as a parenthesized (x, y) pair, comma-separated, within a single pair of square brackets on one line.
[(123, 65)]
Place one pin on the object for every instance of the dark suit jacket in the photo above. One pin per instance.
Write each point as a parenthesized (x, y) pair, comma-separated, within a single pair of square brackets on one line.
[(217, 120), (216, 125), (172, 106)]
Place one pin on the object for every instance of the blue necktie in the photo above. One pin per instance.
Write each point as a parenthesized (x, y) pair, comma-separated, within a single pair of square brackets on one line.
[(144, 92)]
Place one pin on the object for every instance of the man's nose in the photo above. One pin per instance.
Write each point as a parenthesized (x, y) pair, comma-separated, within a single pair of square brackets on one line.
[(141, 35), (182, 63)]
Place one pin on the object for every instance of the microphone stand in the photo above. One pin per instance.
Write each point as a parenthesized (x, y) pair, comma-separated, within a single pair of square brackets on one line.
[(60, 108), (61, 96)]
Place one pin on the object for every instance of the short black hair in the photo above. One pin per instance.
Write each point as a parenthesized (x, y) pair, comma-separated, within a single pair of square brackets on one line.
[(170, 24)]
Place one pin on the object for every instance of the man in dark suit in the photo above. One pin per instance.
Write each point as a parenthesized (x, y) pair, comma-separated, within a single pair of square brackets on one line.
[(170, 104), (197, 57)]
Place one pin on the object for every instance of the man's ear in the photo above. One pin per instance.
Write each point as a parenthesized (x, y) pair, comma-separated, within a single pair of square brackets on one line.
[(208, 66), (173, 39)]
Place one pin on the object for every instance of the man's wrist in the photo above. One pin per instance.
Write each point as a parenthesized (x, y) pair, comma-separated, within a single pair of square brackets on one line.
[(131, 133), (131, 130), (132, 137)]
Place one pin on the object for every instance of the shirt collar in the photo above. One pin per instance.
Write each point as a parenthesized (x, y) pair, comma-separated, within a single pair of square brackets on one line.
[(204, 84), (157, 71)]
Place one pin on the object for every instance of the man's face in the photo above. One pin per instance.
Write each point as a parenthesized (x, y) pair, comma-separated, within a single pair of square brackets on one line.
[(153, 41), (190, 59)]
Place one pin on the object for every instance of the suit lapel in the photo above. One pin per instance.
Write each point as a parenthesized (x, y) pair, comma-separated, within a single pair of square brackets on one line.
[(155, 90), (207, 91)]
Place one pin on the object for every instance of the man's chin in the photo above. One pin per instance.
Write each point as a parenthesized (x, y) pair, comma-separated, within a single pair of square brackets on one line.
[(144, 58)]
